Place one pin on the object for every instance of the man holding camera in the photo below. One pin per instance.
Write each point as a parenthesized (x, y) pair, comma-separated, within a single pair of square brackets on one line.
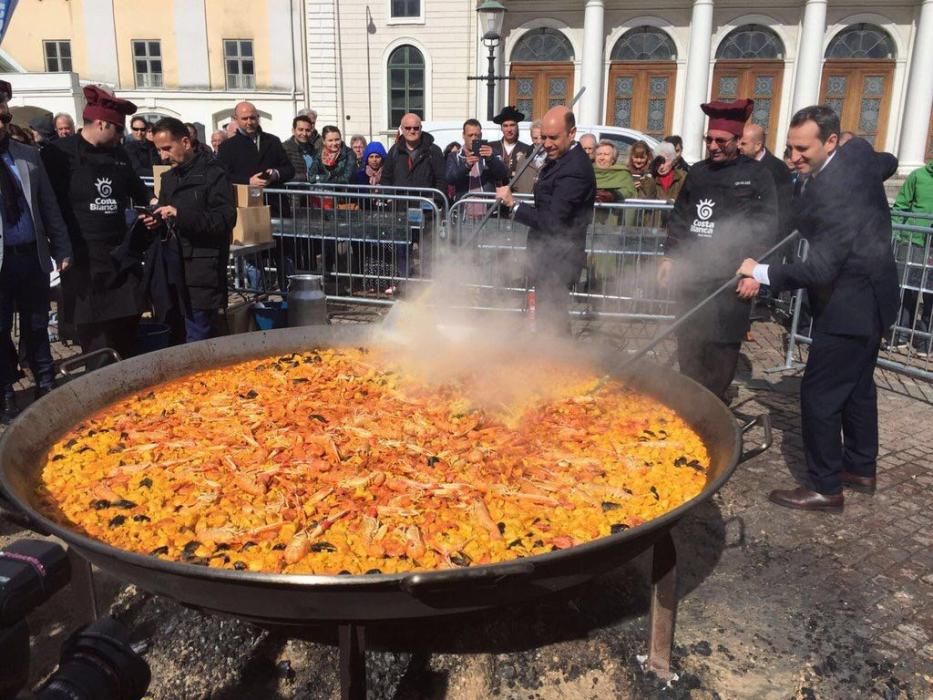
[(196, 208), (473, 168)]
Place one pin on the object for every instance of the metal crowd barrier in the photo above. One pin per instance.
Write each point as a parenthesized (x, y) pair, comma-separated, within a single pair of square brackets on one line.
[(907, 345), (623, 248), (365, 241)]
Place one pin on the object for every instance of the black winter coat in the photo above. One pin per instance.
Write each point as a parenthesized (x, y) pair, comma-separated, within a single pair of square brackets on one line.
[(849, 273), (243, 159), (423, 168), (200, 190), (564, 196), (143, 155), (296, 152), (725, 212), (785, 190)]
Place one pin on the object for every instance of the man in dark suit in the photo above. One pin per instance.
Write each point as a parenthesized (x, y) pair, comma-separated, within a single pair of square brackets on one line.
[(251, 156), (32, 232), (510, 150), (558, 220), (752, 145), (851, 280)]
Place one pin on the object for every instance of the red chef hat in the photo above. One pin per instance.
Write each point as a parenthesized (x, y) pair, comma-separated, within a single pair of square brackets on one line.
[(729, 116), (103, 105), (6, 90)]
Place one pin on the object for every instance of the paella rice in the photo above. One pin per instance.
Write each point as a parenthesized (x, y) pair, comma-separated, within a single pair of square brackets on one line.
[(333, 461)]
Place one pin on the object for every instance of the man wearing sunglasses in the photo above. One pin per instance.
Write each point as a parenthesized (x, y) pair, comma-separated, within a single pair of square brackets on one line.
[(95, 185), (415, 160), (728, 204)]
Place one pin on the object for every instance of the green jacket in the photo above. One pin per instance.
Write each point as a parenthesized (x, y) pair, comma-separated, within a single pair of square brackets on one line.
[(916, 195)]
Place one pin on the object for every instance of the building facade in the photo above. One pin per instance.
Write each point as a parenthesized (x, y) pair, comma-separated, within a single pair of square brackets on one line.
[(191, 59), (369, 61)]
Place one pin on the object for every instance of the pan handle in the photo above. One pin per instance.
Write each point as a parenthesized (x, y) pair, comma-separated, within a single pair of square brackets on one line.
[(418, 585), (67, 367), (764, 420), (11, 513)]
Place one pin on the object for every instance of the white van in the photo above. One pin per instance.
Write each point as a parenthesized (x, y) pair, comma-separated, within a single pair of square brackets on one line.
[(446, 132)]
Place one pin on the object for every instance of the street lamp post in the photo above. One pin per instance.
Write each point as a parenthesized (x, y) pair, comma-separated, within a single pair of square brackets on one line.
[(492, 17)]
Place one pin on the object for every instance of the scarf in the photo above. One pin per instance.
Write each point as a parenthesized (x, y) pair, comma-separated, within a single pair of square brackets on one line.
[(330, 159), (611, 178), (374, 175), (9, 187), (666, 181)]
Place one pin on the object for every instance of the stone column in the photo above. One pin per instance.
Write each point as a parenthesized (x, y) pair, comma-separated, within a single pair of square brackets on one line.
[(589, 109), (697, 89), (919, 94), (810, 55)]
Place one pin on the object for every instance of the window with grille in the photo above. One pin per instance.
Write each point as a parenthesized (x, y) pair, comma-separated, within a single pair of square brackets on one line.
[(147, 63), (57, 56), (751, 41), (406, 83), (862, 41), (543, 45), (239, 64), (644, 44), (405, 8)]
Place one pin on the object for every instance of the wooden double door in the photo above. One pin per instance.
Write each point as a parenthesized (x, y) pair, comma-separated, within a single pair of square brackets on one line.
[(536, 87), (761, 81), (641, 96), (860, 93)]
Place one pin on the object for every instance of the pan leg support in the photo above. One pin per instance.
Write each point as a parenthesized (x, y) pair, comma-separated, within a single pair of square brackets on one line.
[(352, 662), (82, 581), (663, 606)]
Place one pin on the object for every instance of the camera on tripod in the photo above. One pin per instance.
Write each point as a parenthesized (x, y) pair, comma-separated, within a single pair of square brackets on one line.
[(97, 661)]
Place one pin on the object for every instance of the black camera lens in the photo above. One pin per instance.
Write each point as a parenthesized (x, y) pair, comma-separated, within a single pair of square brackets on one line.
[(98, 663)]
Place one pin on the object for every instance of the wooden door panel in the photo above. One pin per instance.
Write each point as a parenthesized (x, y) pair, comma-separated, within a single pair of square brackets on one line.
[(860, 93), (759, 80), (641, 96), (536, 87)]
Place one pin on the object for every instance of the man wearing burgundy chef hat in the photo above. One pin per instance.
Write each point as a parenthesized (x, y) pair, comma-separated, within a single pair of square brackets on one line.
[(728, 203), (96, 187)]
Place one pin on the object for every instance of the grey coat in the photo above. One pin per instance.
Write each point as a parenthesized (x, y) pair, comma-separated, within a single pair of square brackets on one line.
[(51, 234)]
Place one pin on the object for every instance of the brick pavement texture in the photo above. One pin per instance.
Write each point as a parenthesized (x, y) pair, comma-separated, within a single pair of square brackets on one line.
[(773, 603)]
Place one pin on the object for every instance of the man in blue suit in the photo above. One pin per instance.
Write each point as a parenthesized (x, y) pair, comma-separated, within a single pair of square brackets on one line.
[(558, 219), (32, 232), (851, 280)]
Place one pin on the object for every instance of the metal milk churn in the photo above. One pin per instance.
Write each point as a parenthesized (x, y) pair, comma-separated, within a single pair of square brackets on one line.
[(307, 305)]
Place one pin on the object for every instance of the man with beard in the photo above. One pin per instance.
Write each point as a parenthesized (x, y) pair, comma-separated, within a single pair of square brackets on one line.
[(510, 150), (300, 148), (32, 232), (95, 185), (851, 281), (196, 205), (558, 219), (728, 204)]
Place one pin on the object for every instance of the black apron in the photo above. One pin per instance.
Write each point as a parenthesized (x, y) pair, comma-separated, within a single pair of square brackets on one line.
[(96, 288)]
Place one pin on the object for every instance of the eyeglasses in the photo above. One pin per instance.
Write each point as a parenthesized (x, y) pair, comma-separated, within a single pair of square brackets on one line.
[(719, 140), (412, 128), (138, 128)]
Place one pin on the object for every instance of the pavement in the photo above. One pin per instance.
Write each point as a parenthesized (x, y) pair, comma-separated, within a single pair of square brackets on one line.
[(774, 603)]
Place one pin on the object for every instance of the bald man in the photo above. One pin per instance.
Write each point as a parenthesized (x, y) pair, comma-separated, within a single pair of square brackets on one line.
[(251, 156), (588, 144), (557, 221), (752, 145)]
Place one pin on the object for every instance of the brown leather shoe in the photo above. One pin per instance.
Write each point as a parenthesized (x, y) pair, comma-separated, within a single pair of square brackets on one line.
[(862, 484), (805, 499)]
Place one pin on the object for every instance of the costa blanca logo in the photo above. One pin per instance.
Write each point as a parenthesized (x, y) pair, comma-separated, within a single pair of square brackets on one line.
[(705, 209), (104, 186)]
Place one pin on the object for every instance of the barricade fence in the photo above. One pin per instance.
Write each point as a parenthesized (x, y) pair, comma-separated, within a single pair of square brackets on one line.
[(906, 345)]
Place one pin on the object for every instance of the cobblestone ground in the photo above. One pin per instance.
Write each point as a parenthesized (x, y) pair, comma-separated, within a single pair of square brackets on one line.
[(773, 603)]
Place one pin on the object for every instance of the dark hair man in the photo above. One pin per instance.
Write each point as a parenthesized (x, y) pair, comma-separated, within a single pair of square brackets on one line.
[(95, 185), (851, 282), (678, 143), (509, 149), (299, 147), (727, 204), (474, 168), (32, 231), (196, 205), (252, 156), (563, 207)]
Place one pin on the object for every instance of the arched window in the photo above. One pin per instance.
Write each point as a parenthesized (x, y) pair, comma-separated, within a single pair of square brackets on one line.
[(542, 45), (751, 41), (862, 41), (644, 44), (406, 83)]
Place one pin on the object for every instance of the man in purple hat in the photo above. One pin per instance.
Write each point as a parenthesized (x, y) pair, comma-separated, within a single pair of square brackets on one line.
[(32, 232), (728, 204), (96, 185)]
